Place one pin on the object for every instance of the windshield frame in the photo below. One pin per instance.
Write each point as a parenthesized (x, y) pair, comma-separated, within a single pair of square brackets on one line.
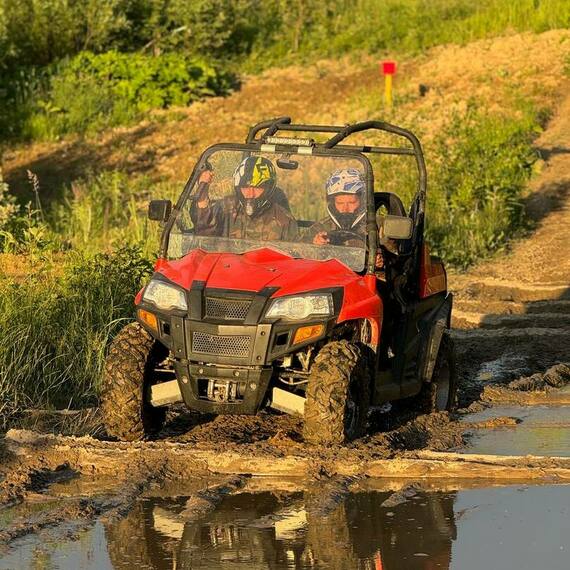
[(371, 245)]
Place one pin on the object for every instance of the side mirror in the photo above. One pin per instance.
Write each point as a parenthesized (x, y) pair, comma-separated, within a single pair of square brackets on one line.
[(396, 227), (159, 210)]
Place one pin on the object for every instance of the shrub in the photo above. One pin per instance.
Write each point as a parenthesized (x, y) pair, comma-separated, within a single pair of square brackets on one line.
[(91, 92), (482, 164)]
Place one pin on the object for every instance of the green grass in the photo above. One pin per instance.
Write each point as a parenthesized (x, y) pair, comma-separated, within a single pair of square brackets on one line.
[(315, 29), (55, 328)]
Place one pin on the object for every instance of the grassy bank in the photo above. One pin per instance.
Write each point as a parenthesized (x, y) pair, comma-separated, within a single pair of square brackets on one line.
[(81, 67), (55, 326)]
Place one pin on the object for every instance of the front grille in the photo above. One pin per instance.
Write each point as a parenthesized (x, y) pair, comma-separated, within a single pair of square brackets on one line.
[(221, 345), (227, 309)]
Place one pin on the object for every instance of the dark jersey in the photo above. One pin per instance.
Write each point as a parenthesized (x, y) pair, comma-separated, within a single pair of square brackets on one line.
[(226, 218)]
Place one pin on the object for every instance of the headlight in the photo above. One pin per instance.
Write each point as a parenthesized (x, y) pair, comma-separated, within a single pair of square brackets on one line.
[(301, 307), (165, 296)]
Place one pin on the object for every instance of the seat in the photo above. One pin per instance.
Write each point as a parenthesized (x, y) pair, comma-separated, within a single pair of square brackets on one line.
[(391, 201)]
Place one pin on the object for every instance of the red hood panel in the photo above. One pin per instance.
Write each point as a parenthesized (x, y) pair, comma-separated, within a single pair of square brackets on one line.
[(255, 270)]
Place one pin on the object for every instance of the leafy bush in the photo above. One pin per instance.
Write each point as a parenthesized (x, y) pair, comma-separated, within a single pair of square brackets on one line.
[(482, 164), (91, 92), (55, 329)]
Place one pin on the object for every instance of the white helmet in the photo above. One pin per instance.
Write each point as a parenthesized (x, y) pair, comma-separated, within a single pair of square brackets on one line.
[(345, 181)]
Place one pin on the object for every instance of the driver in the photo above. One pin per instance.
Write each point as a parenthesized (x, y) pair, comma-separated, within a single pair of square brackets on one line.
[(251, 212), (346, 223)]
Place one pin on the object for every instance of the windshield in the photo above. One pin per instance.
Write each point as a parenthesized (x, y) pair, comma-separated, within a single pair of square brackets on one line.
[(303, 205)]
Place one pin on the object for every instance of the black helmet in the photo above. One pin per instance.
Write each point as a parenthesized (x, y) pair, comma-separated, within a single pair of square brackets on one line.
[(345, 181), (258, 172)]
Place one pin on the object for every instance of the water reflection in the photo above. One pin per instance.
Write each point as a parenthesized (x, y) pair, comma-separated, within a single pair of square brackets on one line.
[(293, 531)]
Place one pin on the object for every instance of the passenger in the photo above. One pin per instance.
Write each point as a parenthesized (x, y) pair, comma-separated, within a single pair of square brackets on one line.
[(251, 212), (346, 205)]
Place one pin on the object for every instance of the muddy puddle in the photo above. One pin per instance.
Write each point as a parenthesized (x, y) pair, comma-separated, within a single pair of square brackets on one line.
[(531, 430), (523, 527)]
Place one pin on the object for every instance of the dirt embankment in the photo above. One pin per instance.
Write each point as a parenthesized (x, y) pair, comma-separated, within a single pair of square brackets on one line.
[(166, 146)]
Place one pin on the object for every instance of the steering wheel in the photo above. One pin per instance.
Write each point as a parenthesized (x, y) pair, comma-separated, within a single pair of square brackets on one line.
[(340, 237)]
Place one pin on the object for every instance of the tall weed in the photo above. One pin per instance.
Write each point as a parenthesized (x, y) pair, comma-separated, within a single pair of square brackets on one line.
[(108, 209), (55, 329)]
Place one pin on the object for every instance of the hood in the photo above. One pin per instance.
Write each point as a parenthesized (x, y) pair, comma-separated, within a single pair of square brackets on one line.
[(254, 270)]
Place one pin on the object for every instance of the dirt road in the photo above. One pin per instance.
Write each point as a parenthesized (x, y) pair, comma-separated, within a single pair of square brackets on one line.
[(514, 311)]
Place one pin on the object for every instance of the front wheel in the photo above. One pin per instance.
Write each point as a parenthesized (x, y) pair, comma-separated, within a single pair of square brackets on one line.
[(129, 372), (338, 395)]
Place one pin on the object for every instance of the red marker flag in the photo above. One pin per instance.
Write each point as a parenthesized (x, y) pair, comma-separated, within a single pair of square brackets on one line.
[(388, 67)]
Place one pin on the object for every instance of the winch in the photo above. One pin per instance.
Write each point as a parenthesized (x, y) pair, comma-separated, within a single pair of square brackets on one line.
[(223, 390)]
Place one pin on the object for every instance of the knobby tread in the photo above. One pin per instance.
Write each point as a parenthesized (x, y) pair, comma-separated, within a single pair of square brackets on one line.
[(339, 374), (130, 362)]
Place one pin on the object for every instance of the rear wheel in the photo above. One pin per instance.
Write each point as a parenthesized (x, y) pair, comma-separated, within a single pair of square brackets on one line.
[(439, 395), (338, 395), (129, 373)]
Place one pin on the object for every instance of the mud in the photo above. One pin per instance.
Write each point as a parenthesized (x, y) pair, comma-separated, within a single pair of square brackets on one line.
[(556, 376), (54, 486), (501, 395), (100, 480)]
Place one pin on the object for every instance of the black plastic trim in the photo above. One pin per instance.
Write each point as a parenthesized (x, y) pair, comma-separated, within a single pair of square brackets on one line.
[(253, 397)]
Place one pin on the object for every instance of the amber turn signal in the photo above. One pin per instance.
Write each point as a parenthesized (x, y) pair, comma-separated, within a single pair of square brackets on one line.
[(307, 333), (148, 319)]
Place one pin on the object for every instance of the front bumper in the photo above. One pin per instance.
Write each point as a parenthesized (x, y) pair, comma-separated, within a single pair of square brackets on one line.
[(223, 368), (226, 367), (207, 388)]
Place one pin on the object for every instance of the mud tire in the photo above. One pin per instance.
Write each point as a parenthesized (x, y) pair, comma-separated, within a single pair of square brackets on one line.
[(430, 398), (127, 378), (338, 395)]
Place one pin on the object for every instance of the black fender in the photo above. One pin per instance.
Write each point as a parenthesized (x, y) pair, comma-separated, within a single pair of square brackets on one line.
[(432, 327)]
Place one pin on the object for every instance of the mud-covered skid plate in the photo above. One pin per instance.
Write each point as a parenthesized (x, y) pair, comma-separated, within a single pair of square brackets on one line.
[(223, 390)]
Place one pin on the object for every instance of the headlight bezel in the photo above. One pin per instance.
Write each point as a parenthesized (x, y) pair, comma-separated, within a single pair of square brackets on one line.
[(282, 307), (152, 292)]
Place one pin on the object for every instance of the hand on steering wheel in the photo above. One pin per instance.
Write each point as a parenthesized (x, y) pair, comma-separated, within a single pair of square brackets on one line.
[(340, 237)]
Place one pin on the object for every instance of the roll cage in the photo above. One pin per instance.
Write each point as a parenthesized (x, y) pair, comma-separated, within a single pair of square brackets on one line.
[(269, 141)]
